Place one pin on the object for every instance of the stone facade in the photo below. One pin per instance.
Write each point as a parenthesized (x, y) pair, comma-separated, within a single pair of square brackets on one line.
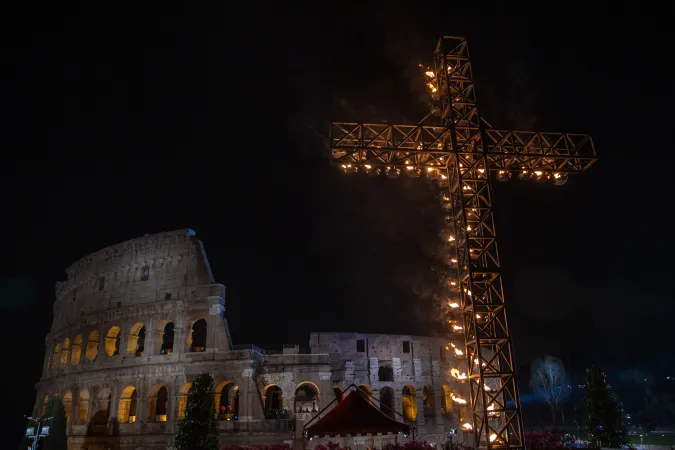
[(134, 323)]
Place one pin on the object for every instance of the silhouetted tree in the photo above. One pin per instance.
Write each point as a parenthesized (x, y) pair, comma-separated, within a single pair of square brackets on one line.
[(199, 430), (603, 415), (550, 381), (57, 439)]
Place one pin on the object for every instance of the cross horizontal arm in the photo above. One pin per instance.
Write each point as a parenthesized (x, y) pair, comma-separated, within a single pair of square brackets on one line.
[(428, 146)]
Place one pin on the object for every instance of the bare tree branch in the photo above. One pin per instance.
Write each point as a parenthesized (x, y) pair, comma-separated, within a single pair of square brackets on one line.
[(550, 381)]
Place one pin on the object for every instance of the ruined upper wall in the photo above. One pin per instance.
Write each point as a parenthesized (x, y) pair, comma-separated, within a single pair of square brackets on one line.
[(155, 267)]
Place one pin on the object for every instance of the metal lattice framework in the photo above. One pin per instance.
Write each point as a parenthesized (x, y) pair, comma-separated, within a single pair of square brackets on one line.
[(461, 152)]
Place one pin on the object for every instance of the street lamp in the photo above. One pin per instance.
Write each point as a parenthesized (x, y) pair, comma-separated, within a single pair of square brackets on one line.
[(37, 432)]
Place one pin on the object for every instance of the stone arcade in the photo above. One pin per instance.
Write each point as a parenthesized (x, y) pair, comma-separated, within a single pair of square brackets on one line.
[(135, 322)]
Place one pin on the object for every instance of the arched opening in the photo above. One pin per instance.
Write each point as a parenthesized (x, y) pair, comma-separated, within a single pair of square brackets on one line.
[(409, 404), (83, 407), (67, 404), (273, 401), (99, 420), (64, 352), (76, 352), (385, 373), (92, 345), (229, 402), (126, 412), (339, 393), (136, 340), (198, 337), (429, 401), (365, 390), (446, 406), (112, 341), (182, 399), (159, 403), (167, 340), (45, 400), (56, 355), (306, 398), (387, 401)]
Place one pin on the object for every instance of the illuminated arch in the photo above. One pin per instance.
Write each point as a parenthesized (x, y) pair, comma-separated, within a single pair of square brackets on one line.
[(387, 401), (83, 407), (136, 340), (159, 403), (198, 333), (68, 404), (182, 399), (273, 398), (92, 345), (409, 403), (64, 352), (446, 405), (429, 401), (76, 352), (56, 354), (112, 341), (306, 397), (126, 412), (227, 397)]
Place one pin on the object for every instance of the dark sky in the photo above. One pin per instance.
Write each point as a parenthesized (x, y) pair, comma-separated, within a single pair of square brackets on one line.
[(118, 123)]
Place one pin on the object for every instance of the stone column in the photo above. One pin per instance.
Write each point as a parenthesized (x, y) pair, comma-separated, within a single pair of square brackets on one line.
[(374, 369), (438, 403), (181, 335), (419, 399)]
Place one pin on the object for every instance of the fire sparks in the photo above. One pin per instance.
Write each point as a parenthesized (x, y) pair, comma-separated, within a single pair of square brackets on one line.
[(458, 352), (459, 400), (460, 376)]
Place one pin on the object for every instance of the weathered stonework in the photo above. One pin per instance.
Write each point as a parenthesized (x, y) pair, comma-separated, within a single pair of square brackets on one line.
[(134, 323)]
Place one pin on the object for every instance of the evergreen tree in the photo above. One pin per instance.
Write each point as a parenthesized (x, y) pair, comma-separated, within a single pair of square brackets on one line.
[(603, 415), (199, 430), (57, 439)]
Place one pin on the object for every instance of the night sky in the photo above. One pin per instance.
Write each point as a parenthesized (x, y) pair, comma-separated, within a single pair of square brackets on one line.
[(119, 123)]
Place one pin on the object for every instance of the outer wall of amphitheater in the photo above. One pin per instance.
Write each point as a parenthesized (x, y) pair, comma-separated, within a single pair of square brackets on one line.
[(135, 322)]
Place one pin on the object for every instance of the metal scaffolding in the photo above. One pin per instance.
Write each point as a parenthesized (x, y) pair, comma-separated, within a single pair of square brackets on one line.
[(461, 152)]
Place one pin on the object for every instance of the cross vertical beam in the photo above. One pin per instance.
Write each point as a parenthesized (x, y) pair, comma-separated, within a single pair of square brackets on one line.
[(495, 405)]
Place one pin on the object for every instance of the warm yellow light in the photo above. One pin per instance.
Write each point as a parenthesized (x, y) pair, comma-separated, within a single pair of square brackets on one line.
[(454, 283), (368, 166), (493, 437), (432, 87), (455, 373), (456, 327), (429, 73), (481, 170), (453, 305), (478, 316), (538, 173), (458, 400), (468, 228), (451, 238), (458, 352), (557, 175), (467, 426), (409, 167), (453, 260)]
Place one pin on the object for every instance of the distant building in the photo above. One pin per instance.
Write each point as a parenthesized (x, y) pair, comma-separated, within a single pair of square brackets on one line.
[(134, 323)]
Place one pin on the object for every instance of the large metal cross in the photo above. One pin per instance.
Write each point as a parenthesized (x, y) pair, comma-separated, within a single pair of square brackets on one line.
[(461, 152)]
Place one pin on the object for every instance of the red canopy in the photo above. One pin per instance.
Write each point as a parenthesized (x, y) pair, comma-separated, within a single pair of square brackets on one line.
[(355, 415)]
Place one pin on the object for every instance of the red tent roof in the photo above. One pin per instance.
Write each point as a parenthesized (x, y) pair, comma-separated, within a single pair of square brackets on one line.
[(355, 415)]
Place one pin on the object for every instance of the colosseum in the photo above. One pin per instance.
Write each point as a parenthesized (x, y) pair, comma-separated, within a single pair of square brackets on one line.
[(135, 322)]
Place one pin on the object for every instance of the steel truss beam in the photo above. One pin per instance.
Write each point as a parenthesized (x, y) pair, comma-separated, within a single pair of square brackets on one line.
[(462, 151)]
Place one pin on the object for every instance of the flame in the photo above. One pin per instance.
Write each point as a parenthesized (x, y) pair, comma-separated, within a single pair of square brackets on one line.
[(458, 400), (453, 283), (458, 352), (468, 228), (467, 426), (456, 327), (368, 166), (538, 173), (460, 376), (481, 170), (557, 175), (430, 169), (478, 316), (430, 74), (493, 437), (409, 167), (453, 305), (432, 87), (453, 260), (451, 238)]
